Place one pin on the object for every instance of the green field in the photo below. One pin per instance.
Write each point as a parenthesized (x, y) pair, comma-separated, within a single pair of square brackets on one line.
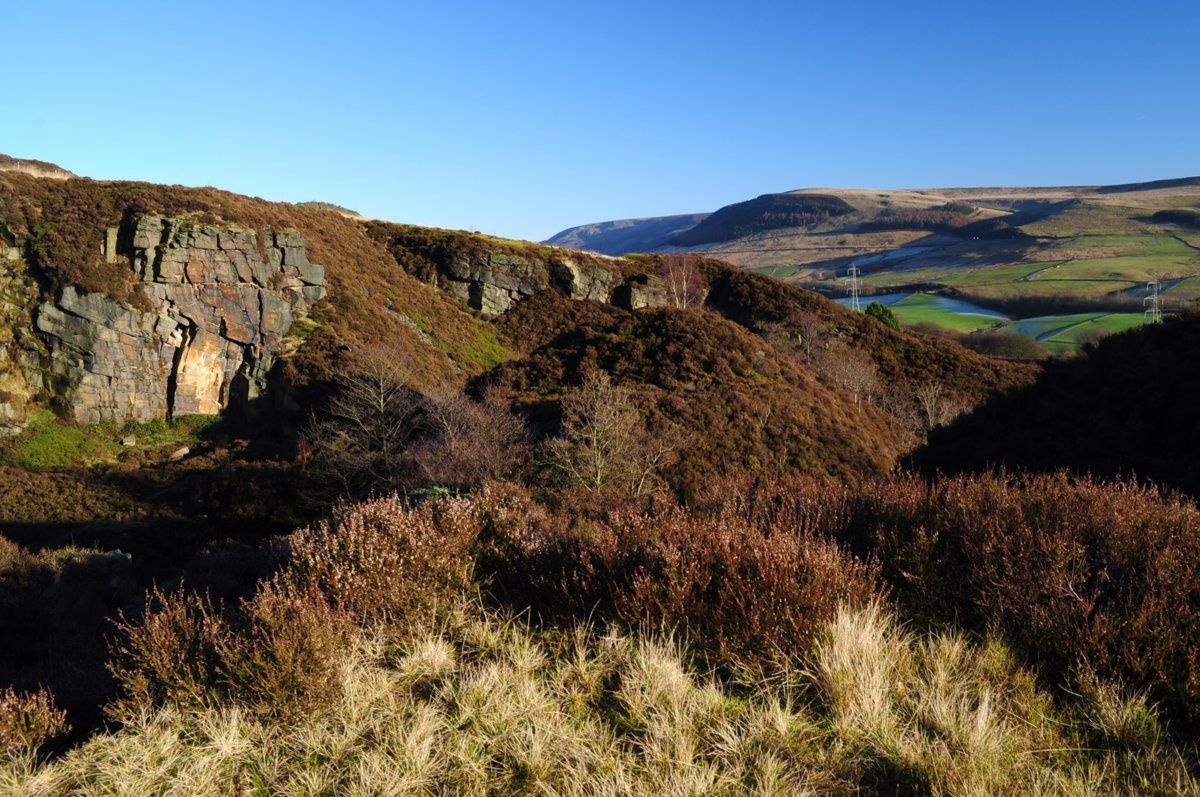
[(1079, 266), (1063, 332), (925, 308)]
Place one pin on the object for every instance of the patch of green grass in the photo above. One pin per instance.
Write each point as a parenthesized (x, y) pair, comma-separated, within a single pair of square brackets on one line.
[(49, 442), (487, 350), (303, 327), (1133, 268), (1063, 332), (1107, 323), (924, 308)]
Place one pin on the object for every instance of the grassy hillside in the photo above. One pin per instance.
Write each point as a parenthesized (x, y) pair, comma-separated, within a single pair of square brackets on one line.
[(1025, 252), (626, 235)]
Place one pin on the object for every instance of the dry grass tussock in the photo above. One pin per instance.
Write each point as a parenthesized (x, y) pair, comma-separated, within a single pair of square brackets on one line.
[(475, 705)]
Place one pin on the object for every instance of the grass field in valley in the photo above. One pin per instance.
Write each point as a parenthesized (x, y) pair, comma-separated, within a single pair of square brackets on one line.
[(947, 312), (1062, 333)]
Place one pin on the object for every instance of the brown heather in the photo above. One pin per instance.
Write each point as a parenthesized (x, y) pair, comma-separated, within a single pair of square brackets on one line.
[(27, 721), (744, 593), (1075, 573)]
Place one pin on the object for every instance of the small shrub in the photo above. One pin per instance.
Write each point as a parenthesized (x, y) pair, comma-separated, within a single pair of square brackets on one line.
[(744, 594), (1012, 345), (883, 314), (172, 655), (385, 558), (28, 720)]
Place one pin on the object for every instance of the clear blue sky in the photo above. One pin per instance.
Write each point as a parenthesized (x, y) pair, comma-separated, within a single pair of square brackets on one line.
[(521, 118)]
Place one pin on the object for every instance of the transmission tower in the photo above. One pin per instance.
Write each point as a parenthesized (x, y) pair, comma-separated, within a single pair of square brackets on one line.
[(1153, 302), (853, 275)]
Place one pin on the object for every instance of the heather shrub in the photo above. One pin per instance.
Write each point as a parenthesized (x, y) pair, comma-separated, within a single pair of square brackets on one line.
[(28, 720), (277, 651), (172, 654), (385, 558), (275, 654), (1072, 571), (743, 593), (284, 659)]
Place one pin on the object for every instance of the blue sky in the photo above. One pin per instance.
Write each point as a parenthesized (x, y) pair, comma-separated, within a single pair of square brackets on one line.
[(521, 118)]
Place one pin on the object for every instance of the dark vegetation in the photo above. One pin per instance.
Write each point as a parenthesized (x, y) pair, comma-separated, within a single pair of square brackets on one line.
[(948, 219), (992, 342), (1188, 217), (1034, 306), (1126, 408), (883, 314), (767, 212)]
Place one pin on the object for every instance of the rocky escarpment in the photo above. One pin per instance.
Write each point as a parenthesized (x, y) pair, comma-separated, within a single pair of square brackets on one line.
[(492, 282), (491, 276), (220, 303)]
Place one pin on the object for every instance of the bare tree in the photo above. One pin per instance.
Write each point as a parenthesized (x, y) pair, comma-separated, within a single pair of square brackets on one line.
[(360, 439), (936, 405), (852, 369), (604, 442), (801, 333), (467, 442), (811, 331), (685, 283)]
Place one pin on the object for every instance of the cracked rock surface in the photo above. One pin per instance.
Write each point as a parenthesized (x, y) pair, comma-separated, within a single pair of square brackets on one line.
[(222, 302)]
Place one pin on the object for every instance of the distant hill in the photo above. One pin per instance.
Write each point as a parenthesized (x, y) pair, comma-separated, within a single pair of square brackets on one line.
[(627, 235), (34, 167), (1025, 251), (767, 212)]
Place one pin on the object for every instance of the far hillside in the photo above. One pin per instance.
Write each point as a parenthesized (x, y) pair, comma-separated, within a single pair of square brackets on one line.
[(968, 259)]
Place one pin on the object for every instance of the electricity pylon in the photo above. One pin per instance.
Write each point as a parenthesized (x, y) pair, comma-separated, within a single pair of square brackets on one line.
[(1153, 302), (853, 275)]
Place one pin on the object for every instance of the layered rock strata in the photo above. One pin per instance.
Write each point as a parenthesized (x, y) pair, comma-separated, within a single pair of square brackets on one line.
[(220, 303)]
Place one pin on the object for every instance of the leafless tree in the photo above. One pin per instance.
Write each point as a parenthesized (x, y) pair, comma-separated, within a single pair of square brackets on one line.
[(811, 331), (466, 442), (685, 283), (604, 442), (853, 369), (801, 333), (359, 441), (936, 405)]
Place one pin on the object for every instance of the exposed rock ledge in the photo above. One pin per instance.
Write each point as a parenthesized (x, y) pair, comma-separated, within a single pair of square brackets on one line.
[(221, 307)]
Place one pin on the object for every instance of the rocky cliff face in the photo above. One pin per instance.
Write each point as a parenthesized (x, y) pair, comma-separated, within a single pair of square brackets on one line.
[(492, 282), (220, 304)]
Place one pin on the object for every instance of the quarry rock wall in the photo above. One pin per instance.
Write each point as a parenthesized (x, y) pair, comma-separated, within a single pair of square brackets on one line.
[(219, 304)]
